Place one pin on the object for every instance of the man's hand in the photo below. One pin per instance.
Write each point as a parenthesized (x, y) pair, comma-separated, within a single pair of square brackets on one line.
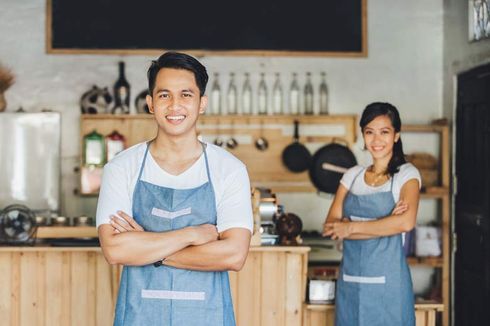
[(204, 233), (124, 223)]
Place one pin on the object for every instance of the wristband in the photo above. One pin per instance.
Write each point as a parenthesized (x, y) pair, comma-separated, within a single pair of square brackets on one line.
[(158, 263)]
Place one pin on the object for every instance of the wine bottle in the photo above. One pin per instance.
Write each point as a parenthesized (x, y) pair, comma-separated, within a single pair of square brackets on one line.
[(247, 96), (294, 96), (323, 96), (308, 95), (262, 95), (216, 96), (231, 96), (277, 105), (121, 93)]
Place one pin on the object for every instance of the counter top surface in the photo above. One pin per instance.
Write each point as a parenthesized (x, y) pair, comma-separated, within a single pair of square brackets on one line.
[(298, 249)]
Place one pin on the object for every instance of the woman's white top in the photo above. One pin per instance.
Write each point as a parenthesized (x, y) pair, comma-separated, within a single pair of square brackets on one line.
[(358, 186)]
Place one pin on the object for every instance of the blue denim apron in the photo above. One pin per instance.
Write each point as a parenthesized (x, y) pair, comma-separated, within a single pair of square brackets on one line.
[(374, 285), (164, 295)]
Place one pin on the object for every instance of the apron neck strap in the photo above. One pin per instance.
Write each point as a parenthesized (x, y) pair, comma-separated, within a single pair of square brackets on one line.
[(144, 159), (207, 163), (205, 158)]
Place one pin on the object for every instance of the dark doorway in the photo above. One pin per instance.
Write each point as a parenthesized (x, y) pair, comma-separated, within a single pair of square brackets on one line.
[(472, 213)]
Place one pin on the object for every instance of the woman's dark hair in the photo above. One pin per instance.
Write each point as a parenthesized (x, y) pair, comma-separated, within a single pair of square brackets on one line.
[(178, 60), (375, 110)]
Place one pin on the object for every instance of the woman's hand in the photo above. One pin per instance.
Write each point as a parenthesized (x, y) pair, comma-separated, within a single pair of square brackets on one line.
[(337, 230), (400, 208), (122, 222)]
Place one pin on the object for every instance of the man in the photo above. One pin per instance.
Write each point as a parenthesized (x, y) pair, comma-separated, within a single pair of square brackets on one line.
[(174, 211)]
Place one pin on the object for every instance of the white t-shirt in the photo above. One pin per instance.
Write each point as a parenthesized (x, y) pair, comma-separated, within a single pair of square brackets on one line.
[(406, 172), (228, 174)]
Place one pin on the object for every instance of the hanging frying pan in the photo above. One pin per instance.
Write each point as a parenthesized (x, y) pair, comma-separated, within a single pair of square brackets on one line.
[(296, 157), (328, 165)]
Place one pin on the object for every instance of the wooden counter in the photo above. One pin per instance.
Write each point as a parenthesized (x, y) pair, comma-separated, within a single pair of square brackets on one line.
[(75, 286)]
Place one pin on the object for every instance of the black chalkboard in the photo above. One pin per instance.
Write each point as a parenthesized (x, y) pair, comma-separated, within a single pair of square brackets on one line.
[(255, 26)]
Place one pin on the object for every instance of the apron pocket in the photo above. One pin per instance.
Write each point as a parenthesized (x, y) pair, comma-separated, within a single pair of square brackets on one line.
[(173, 295), (364, 279), (170, 215)]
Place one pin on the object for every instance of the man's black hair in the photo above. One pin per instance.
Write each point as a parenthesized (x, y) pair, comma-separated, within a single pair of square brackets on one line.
[(178, 60)]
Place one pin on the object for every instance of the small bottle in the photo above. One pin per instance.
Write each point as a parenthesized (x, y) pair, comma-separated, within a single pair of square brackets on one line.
[(115, 143), (277, 103), (216, 96), (262, 95), (308, 95), (121, 93), (323, 95), (231, 96), (247, 96), (294, 96), (93, 149)]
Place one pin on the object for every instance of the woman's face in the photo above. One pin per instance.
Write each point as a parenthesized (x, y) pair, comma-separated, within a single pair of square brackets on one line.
[(380, 136)]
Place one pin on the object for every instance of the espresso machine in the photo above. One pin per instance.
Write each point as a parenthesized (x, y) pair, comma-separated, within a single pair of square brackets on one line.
[(268, 210)]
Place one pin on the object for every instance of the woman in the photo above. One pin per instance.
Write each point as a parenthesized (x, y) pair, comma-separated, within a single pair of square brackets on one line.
[(372, 208)]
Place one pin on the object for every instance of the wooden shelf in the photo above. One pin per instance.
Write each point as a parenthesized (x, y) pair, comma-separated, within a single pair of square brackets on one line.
[(427, 261), (277, 118), (424, 305), (264, 167), (435, 192), (424, 128)]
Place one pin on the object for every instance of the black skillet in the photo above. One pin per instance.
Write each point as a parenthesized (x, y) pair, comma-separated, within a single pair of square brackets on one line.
[(328, 166), (296, 157)]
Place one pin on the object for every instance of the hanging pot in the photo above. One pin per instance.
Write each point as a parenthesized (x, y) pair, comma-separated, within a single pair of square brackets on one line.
[(328, 165), (296, 157)]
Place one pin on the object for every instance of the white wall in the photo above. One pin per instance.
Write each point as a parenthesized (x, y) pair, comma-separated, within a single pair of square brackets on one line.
[(404, 66), (459, 54)]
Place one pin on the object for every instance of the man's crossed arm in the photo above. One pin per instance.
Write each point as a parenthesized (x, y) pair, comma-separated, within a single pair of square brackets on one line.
[(194, 247)]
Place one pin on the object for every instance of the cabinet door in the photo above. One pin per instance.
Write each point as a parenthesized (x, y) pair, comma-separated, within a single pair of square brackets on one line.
[(472, 266)]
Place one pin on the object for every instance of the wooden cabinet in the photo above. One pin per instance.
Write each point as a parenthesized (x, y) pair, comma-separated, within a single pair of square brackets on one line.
[(324, 315), (56, 286), (265, 167), (76, 286), (442, 194)]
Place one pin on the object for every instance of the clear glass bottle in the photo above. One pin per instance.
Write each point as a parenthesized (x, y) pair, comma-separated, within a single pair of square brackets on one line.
[(93, 149), (323, 95), (216, 96), (247, 96), (121, 92), (231, 96), (294, 95), (277, 102), (262, 95), (308, 95)]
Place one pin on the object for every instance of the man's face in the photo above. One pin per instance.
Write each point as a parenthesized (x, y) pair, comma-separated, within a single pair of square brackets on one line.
[(176, 102)]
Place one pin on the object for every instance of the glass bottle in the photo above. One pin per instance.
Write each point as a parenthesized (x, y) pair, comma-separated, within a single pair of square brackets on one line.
[(231, 96), (121, 92), (247, 96), (294, 96), (308, 95), (115, 143), (93, 149), (262, 95), (323, 95), (277, 103), (216, 96)]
